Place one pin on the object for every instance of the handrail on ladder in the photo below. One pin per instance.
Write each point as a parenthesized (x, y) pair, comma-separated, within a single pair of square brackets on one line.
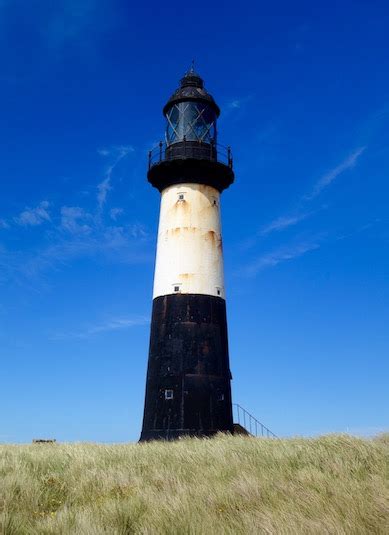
[(254, 425)]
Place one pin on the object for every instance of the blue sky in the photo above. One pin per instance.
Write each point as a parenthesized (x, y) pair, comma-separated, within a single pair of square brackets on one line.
[(304, 92)]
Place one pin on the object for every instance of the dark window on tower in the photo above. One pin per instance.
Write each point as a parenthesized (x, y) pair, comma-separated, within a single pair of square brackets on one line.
[(180, 196), (169, 394), (176, 288)]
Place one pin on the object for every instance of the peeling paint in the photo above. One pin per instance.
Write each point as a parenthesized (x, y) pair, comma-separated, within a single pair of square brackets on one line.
[(189, 250)]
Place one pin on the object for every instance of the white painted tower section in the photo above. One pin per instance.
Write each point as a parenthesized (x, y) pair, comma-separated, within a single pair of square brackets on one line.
[(189, 250)]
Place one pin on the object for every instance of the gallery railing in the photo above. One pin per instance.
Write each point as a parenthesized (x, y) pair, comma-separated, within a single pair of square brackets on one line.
[(185, 149)]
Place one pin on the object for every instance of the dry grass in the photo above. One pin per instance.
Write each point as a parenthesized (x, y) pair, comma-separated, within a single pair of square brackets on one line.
[(230, 485)]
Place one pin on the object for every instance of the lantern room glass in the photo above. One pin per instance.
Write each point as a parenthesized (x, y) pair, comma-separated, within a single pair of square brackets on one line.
[(194, 121)]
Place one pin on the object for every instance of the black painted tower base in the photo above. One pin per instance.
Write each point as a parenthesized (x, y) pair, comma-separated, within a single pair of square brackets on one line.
[(188, 390)]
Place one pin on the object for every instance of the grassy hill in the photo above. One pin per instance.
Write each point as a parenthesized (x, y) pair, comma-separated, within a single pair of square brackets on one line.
[(335, 484)]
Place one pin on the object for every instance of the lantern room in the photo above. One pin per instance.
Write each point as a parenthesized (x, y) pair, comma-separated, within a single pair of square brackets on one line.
[(190, 152)]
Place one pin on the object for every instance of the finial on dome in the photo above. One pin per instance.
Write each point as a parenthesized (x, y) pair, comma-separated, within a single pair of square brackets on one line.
[(192, 78)]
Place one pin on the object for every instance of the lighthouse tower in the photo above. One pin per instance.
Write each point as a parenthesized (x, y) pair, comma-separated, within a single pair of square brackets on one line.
[(188, 390)]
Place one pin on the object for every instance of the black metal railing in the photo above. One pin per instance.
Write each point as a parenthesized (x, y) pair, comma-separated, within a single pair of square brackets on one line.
[(250, 423), (185, 149)]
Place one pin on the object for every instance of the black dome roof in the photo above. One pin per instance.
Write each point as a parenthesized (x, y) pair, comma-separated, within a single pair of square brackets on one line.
[(191, 88)]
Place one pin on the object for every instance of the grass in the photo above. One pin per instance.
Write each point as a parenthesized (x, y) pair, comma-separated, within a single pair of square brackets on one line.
[(335, 484)]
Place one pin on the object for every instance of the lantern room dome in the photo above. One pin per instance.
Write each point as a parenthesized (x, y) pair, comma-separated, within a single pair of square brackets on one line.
[(191, 89), (192, 78)]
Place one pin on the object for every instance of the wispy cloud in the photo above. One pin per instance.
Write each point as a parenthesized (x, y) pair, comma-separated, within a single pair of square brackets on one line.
[(115, 213), (137, 230), (282, 223), (34, 216), (330, 176), (277, 225), (106, 184), (3, 224), (102, 190), (112, 324), (236, 104), (74, 233), (288, 220), (73, 219), (126, 244), (279, 255)]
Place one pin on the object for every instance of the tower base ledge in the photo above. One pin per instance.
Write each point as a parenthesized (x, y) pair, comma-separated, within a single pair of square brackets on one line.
[(174, 434)]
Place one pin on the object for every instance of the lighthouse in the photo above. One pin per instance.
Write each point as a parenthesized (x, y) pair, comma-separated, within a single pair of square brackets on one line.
[(188, 385)]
